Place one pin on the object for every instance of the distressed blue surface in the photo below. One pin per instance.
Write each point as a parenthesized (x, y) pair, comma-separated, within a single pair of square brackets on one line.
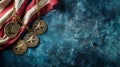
[(81, 33)]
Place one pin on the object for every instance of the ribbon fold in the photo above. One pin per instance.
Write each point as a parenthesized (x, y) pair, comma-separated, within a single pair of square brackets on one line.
[(29, 15)]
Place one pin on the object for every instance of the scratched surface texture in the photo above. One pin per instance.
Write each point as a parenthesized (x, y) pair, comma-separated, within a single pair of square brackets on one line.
[(81, 33)]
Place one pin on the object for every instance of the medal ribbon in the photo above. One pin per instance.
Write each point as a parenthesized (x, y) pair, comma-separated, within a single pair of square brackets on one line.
[(30, 15), (3, 4), (6, 14)]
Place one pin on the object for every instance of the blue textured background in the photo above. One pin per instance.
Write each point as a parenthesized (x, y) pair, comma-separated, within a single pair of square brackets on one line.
[(81, 33)]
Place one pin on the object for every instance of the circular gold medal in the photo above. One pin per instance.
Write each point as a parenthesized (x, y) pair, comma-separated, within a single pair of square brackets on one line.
[(39, 27), (20, 48), (12, 29), (31, 39)]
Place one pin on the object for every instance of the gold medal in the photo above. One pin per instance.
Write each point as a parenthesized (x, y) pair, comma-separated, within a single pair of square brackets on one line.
[(39, 27), (12, 29), (20, 48), (31, 39)]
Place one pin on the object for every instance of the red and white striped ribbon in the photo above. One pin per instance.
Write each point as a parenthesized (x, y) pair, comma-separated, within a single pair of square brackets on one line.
[(3, 4), (6, 12), (6, 16), (30, 15)]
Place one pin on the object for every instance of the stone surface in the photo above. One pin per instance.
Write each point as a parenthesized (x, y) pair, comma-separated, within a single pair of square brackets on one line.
[(81, 33)]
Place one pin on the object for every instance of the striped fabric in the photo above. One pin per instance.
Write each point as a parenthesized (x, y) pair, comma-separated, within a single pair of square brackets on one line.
[(22, 7)]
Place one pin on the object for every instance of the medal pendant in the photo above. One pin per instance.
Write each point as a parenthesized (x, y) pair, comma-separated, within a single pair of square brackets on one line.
[(39, 27), (20, 47), (12, 29), (31, 39)]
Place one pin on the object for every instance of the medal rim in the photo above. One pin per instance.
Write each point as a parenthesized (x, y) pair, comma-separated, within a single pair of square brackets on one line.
[(5, 29), (37, 31), (20, 53), (31, 45)]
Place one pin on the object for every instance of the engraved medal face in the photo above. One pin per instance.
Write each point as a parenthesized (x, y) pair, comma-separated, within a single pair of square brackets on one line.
[(31, 39), (12, 29), (39, 27), (20, 47)]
